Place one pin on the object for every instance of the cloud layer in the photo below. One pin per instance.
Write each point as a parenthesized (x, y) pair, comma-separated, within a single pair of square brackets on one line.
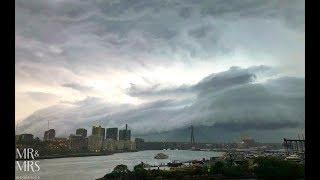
[(159, 65), (241, 104)]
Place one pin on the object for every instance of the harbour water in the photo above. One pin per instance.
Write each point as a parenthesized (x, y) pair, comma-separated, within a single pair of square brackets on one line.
[(93, 167)]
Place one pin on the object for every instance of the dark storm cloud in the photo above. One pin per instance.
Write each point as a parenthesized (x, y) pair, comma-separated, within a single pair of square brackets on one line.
[(134, 28), (243, 104), (200, 32), (71, 41), (288, 86), (214, 82), (185, 12), (251, 107), (234, 76), (257, 8), (234, 97), (257, 125)]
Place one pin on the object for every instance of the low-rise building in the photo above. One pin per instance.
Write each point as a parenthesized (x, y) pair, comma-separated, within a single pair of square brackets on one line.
[(138, 140), (122, 145), (247, 143), (110, 145), (130, 145), (18, 138)]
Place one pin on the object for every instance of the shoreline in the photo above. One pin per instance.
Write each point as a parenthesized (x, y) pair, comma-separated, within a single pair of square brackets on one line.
[(86, 154)]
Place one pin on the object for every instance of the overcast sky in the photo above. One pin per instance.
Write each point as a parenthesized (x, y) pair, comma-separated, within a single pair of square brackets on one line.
[(160, 64)]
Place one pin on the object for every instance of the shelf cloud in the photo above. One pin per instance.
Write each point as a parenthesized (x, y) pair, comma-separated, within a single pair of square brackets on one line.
[(160, 65), (242, 104)]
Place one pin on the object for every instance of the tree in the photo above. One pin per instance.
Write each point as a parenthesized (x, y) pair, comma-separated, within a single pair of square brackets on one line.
[(121, 169), (139, 170), (276, 168), (218, 167)]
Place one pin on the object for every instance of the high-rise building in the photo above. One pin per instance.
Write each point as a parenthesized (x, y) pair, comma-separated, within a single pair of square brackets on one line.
[(82, 132), (112, 133), (77, 142), (98, 131), (27, 138), (95, 143), (125, 134), (49, 135)]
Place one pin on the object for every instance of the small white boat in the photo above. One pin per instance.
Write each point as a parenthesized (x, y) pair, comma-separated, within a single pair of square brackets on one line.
[(161, 156)]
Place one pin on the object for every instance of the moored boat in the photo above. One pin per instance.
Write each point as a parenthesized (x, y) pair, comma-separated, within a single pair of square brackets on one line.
[(161, 156)]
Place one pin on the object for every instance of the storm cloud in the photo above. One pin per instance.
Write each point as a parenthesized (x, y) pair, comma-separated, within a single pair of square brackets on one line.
[(160, 65), (243, 104)]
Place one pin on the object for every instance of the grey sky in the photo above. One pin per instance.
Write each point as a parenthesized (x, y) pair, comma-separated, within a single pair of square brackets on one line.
[(206, 62)]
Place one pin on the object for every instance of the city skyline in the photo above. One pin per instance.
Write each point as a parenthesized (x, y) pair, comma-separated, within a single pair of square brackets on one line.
[(227, 67), (109, 132)]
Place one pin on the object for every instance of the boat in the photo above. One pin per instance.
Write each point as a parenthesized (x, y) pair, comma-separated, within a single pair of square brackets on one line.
[(161, 156), (174, 163)]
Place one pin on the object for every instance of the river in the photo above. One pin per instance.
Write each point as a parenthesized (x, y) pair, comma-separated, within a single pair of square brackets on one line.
[(93, 167)]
